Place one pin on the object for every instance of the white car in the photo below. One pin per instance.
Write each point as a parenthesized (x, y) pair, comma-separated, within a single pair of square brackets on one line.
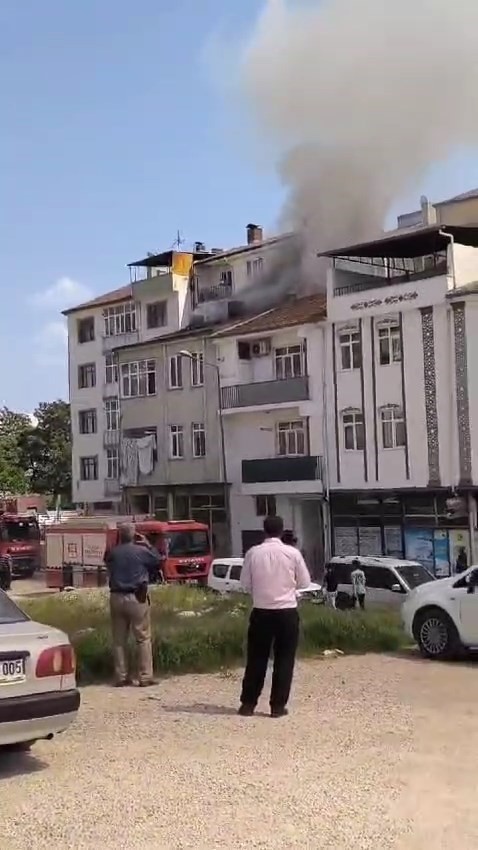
[(225, 577), (388, 580), (442, 616), (38, 693)]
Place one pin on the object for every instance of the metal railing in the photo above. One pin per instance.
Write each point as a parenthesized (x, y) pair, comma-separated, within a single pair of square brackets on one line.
[(214, 293), (265, 392), (301, 468)]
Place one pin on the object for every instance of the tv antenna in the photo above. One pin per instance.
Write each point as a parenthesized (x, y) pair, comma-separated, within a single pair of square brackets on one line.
[(178, 241)]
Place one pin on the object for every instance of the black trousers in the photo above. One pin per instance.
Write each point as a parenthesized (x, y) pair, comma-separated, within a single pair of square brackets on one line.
[(277, 630)]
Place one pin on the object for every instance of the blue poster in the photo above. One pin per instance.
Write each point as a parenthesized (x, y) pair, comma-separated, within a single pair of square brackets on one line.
[(419, 546), (442, 554)]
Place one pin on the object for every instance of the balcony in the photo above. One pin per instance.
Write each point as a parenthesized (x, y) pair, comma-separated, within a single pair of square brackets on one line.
[(215, 293), (289, 390), (118, 340), (112, 487), (347, 282), (288, 475), (111, 439)]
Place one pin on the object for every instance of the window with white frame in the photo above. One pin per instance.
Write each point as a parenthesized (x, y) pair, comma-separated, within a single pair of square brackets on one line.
[(138, 378), (112, 411), (111, 369), (89, 468), (197, 370), (254, 267), (350, 350), (354, 438), (289, 362), (176, 442), (199, 439), (87, 421), (112, 464), (292, 438), (389, 344), (120, 319), (393, 427), (176, 372)]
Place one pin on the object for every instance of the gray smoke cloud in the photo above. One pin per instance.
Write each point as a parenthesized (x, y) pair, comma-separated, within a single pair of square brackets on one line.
[(360, 97)]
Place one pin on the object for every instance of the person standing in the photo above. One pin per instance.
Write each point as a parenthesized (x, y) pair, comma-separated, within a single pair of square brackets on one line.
[(330, 584), (358, 584), (272, 573), (129, 565), (461, 561)]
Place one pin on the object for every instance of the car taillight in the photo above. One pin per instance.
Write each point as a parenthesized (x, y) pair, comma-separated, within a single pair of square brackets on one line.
[(56, 661)]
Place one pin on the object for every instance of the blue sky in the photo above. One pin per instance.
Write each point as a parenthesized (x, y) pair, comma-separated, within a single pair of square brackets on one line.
[(114, 135)]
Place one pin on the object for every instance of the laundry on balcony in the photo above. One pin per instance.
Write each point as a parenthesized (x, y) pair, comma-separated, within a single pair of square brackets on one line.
[(137, 458), (146, 448)]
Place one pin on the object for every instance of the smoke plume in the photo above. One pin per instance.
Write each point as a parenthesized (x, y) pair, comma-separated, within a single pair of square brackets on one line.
[(360, 97)]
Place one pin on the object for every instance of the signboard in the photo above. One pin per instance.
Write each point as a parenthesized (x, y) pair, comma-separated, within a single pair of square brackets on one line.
[(72, 548), (389, 301), (94, 547), (393, 541)]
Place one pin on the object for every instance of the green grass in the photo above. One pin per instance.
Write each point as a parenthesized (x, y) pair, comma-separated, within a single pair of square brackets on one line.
[(194, 631)]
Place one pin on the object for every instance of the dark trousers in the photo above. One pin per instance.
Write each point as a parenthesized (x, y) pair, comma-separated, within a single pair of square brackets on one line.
[(277, 630), (360, 599)]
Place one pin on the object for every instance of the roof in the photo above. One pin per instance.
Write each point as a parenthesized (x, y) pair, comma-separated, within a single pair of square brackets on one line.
[(413, 242), (296, 311), (120, 294), (183, 333), (465, 196), (243, 249), (165, 258)]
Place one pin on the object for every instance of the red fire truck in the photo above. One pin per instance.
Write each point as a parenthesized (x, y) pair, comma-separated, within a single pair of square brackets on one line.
[(20, 541)]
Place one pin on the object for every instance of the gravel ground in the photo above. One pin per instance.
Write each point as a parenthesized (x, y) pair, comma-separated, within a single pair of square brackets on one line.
[(377, 752)]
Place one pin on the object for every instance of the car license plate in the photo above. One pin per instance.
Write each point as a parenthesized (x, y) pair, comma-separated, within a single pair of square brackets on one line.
[(12, 672)]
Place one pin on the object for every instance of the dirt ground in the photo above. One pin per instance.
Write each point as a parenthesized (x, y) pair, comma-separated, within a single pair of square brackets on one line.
[(378, 752)]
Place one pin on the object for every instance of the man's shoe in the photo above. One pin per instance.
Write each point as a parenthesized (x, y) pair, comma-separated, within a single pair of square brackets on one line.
[(123, 683), (246, 710), (279, 712), (148, 683)]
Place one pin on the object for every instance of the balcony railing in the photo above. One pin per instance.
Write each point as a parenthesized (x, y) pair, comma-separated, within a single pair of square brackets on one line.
[(215, 293), (118, 340), (265, 392), (112, 487), (111, 439), (264, 470), (381, 282)]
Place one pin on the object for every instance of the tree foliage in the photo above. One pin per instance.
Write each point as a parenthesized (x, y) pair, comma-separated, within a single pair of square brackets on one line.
[(36, 457)]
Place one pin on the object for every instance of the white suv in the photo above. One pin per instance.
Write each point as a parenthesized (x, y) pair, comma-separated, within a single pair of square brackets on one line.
[(442, 616)]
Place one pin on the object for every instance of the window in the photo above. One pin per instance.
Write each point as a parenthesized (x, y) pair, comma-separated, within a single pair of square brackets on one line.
[(176, 441), (112, 411), (291, 438), (288, 362), (220, 570), (226, 278), (138, 378), (393, 427), (9, 613), (112, 464), (197, 370), (266, 506), (236, 571), (350, 350), (111, 369), (89, 468), (120, 319), (86, 329), (389, 345), (86, 376), (199, 439), (156, 314), (254, 267), (87, 421), (353, 431), (176, 372)]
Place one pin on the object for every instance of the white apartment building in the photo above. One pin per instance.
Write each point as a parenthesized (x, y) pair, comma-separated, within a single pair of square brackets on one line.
[(401, 394), (271, 391)]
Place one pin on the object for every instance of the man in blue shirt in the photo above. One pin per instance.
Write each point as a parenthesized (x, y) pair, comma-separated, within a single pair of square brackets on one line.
[(129, 565)]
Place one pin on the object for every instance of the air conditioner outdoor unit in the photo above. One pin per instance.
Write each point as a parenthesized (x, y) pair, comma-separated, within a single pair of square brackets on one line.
[(261, 348)]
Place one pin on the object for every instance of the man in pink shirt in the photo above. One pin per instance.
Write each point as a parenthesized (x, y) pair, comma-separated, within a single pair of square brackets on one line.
[(272, 574)]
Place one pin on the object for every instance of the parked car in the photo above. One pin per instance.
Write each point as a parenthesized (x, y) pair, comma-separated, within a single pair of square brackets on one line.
[(388, 580), (442, 617), (225, 577), (38, 693)]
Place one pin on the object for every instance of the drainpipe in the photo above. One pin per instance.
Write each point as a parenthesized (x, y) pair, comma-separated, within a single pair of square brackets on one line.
[(451, 240)]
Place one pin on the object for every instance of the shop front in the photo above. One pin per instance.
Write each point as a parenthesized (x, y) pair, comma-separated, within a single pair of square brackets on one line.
[(417, 525)]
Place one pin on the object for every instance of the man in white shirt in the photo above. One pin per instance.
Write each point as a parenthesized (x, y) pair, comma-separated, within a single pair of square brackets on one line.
[(272, 574), (358, 584)]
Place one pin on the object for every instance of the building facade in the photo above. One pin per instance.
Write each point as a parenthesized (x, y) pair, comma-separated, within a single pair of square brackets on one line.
[(401, 399)]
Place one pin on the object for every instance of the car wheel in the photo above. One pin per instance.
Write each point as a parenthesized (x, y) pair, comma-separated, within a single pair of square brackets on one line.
[(20, 747), (436, 634)]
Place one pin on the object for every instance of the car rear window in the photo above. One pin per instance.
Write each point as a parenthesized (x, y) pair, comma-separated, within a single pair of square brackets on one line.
[(236, 571), (220, 570), (9, 612)]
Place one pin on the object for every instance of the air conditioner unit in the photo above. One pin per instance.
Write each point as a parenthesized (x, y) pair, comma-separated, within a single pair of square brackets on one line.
[(261, 348)]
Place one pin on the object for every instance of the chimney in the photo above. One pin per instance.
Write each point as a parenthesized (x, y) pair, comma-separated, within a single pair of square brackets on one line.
[(429, 213), (254, 234)]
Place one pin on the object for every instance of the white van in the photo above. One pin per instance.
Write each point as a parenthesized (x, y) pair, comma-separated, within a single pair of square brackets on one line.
[(225, 577), (388, 580)]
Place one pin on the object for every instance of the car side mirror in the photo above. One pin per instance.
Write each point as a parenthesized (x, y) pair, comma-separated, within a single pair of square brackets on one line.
[(396, 588)]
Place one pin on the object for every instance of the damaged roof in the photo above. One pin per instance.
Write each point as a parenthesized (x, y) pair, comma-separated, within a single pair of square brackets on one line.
[(418, 241), (244, 249), (121, 294), (295, 311)]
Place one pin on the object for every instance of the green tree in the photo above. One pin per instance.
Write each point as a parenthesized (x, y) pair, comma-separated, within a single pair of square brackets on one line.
[(14, 427), (47, 450)]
